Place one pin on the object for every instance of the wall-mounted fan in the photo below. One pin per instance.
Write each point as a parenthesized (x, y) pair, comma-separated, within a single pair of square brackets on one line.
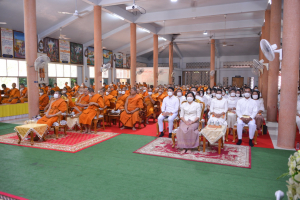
[(76, 13), (260, 65), (62, 37), (105, 67), (270, 50), (172, 75), (212, 73), (160, 72), (140, 71)]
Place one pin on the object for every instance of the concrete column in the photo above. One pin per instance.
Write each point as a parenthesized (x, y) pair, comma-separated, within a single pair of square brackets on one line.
[(98, 47), (170, 62), (289, 75), (212, 61), (266, 35), (275, 30), (155, 60), (133, 54), (31, 55)]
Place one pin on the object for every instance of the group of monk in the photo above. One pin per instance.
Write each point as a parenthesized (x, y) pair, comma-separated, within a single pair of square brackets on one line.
[(13, 95)]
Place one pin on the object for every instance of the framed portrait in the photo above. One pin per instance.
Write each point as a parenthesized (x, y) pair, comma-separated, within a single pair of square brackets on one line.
[(90, 56), (19, 44), (107, 56), (7, 43), (76, 53), (64, 51), (119, 60), (51, 48)]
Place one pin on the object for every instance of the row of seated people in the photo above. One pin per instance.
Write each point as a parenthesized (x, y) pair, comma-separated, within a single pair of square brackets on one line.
[(13, 95)]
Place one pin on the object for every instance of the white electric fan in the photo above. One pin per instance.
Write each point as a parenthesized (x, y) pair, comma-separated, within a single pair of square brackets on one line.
[(105, 67), (270, 50), (76, 13), (279, 195), (212, 73), (140, 71), (259, 65), (160, 72)]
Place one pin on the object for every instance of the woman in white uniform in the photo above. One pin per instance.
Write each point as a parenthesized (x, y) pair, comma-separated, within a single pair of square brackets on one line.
[(218, 109), (259, 119), (231, 114)]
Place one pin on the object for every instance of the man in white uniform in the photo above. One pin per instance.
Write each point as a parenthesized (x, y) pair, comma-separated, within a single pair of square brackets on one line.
[(169, 110), (246, 111)]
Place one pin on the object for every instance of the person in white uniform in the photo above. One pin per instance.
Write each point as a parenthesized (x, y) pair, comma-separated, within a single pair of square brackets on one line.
[(169, 110), (202, 98), (259, 119), (246, 111), (208, 97), (218, 109), (231, 114), (180, 97)]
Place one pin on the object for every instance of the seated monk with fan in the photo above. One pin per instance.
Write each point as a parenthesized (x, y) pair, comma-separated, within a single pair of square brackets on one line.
[(14, 95), (133, 103), (23, 93)]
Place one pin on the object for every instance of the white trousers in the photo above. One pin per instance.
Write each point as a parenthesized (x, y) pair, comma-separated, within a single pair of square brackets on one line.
[(298, 122), (160, 120), (240, 126)]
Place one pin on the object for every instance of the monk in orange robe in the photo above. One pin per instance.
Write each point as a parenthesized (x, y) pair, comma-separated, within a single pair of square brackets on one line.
[(57, 107), (82, 101), (43, 100), (14, 95), (87, 116), (24, 94), (5, 92), (108, 97), (65, 91), (161, 96), (121, 100), (130, 116), (56, 88), (69, 89), (75, 89), (150, 101), (113, 91)]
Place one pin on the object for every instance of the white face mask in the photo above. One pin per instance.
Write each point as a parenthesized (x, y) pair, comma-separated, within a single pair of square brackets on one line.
[(144, 90), (237, 95), (106, 93), (80, 92), (247, 95), (255, 96), (120, 92), (123, 92), (208, 92), (41, 94), (232, 94), (214, 94), (170, 93), (189, 99), (223, 93), (63, 91), (201, 94), (81, 85), (179, 94), (90, 95), (55, 96), (150, 93), (194, 93), (219, 96)]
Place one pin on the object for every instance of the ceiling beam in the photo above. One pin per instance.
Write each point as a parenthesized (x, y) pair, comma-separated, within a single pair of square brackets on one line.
[(236, 36), (177, 50), (128, 45), (212, 26), (192, 12), (151, 49)]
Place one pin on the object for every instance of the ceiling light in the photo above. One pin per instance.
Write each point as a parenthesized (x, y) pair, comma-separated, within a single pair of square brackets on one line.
[(163, 38), (145, 30), (174, 0), (118, 16), (270, 2), (205, 33)]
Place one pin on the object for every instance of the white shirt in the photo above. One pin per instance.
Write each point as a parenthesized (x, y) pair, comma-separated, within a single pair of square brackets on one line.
[(260, 105), (232, 101), (246, 107), (208, 98), (181, 99), (218, 106), (203, 99), (170, 104), (190, 111)]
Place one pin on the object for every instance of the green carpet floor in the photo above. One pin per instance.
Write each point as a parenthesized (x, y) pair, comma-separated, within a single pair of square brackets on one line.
[(110, 170)]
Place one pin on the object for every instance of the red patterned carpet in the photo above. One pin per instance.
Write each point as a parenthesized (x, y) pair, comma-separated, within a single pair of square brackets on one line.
[(231, 155), (6, 196), (71, 143)]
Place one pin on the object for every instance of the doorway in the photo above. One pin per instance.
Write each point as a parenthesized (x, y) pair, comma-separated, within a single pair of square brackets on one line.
[(179, 80), (238, 81)]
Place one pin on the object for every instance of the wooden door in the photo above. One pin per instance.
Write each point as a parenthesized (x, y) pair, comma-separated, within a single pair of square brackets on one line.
[(179, 80), (237, 81)]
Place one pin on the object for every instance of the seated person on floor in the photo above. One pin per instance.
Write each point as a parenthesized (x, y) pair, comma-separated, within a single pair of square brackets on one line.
[(14, 95), (87, 116), (24, 93), (133, 103), (180, 96), (246, 111), (218, 109), (169, 110), (43, 100), (259, 119), (231, 114), (56, 108), (74, 92), (113, 92), (69, 89), (187, 133), (82, 100)]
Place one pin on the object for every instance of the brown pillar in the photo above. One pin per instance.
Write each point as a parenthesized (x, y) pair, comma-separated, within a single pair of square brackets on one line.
[(266, 35), (133, 54), (31, 55), (155, 60), (289, 75), (212, 61), (170, 62), (275, 30), (98, 47)]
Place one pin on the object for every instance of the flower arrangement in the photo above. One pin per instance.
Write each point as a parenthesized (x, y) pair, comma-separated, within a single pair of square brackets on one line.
[(293, 192)]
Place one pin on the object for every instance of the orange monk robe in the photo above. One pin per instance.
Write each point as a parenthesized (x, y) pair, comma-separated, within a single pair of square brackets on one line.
[(69, 95), (121, 86), (144, 84), (121, 102), (88, 115), (114, 93), (12, 94), (23, 95), (82, 99), (205, 88), (106, 87), (94, 87), (108, 99), (160, 98), (127, 92), (129, 87), (56, 88), (75, 90), (44, 89), (55, 107), (183, 92), (165, 92), (129, 120), (5, 92), (145, 94), (150, 106), (115, 86), (69, 89), (43, 101)]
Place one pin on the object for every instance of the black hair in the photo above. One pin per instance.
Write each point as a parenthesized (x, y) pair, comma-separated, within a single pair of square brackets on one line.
[(90, 89), (238, 90), (246, 87), (171, 88), (179, 89), (3, 85), (52, 92), (258, 93), (232, 89), (218, 90), (190, 93), (22, 84)]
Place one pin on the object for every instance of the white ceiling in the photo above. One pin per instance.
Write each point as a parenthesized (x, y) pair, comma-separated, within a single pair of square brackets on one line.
[(190, 41)]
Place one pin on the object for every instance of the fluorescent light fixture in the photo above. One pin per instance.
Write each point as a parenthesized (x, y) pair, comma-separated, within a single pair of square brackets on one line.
[(205, 33), (163, 38), (118, 16), (145, 30), (174, 0), (270, 2)]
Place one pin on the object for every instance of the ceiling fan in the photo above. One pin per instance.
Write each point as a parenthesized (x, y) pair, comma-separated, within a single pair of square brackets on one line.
[(224, 44), (76, 13), (62, 37), (2, 22)]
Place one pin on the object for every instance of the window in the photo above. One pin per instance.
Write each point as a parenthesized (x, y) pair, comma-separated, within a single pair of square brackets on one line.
[(61, 73), (92, 75), (123, 74)]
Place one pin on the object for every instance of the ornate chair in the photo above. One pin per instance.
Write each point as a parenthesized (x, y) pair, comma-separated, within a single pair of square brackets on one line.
[(57, 126), (143, 116)]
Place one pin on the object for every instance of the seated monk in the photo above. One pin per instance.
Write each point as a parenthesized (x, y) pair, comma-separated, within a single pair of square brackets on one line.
[(161, 96), (14, 95), (133, 103), (87, 116), (5, 92), (150, 101), (57, 107), (74, 92), (138, 92), (24, 93), (83, 100), (55, 88), (121, 100), (43, 100), (51, 96), (113, 92), (69, 90), (65, 91)]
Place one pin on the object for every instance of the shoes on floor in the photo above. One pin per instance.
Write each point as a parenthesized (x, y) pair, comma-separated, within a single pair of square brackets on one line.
[(239, 142), (251, 143), (170, 135), (161, 134)]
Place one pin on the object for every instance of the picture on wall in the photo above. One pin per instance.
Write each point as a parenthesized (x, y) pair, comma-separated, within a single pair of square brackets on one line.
[(51, 48), (107, 56), (76, 53), (64, 51), (119, 60), (19, 44), (90, 56), (43, 71), (128, 61), (7, 43)]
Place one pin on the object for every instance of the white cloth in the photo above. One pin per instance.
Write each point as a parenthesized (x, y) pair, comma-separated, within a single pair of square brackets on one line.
[(208, 98), (260, 105), (170, 104), (240, 126), (203, 99), (246, 107), (232, 102), (190, 111), (181, 99), (160, 120)]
